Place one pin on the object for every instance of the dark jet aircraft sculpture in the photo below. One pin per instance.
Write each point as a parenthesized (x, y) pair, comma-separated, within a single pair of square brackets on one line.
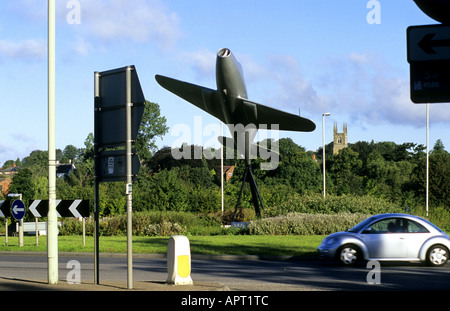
[(229, 103)]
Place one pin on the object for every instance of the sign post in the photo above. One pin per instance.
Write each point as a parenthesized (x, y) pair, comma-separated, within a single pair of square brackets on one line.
[(128, 192), (96, 177), (119, 107)]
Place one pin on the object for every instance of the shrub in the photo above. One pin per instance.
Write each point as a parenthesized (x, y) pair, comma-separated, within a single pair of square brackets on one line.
[(294, 215), (71, 226), (316, 204), (440, 216), (166, 228), (305, 224), (143, 223)]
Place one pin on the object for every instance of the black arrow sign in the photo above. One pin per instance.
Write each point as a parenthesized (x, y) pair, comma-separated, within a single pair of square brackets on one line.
[(427, 43), (64, 208)]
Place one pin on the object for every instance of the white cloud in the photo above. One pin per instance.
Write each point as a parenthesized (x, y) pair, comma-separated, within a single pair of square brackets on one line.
[(81, 46), (22, 147), (280, 83), (201, 61), (359, 86), (29, 49), (138, 21), (371, 92), (291, 88), (391, 103)]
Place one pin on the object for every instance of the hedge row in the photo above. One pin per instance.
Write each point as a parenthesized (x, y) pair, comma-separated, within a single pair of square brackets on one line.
[(305, 224), (332, 204), (304, 215), (151, 224)]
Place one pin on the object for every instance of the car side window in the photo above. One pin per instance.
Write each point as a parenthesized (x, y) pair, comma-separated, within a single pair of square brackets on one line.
[(414, 227), (395, 225), (390, 225)]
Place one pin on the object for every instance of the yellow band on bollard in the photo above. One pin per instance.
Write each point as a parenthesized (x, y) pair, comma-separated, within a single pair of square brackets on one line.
[(184, 269)]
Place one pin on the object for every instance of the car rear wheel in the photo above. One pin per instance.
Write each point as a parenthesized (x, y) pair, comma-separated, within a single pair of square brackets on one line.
[(349, 255), (437, 255)]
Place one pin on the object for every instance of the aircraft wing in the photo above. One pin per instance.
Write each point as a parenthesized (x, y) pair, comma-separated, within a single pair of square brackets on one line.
[(202, 97), (286, 121)]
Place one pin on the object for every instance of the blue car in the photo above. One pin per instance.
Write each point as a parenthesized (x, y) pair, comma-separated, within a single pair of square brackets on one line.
[(388, 237)]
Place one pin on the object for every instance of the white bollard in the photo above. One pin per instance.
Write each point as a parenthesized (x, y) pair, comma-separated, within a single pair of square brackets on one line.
[(179, 261)]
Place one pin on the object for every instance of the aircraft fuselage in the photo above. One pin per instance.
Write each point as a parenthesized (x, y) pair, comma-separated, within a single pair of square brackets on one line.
[(230, 82), (231, 88)]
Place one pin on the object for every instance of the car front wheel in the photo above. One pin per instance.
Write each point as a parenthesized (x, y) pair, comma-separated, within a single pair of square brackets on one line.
[(349, 255), (437, 255)]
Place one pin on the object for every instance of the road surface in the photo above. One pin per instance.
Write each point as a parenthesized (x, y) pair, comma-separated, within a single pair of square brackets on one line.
[(237, 274)]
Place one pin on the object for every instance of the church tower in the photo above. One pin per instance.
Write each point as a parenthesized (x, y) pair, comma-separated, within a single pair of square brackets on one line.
[(339, 139)]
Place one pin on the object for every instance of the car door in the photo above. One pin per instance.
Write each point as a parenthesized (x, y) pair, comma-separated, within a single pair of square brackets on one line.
[(386, 239), (416, 236)]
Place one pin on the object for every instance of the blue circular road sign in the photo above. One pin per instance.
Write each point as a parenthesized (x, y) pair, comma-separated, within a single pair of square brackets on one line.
[(18, 209)]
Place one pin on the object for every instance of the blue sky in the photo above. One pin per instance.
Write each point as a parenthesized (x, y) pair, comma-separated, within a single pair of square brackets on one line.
[(302, 55)]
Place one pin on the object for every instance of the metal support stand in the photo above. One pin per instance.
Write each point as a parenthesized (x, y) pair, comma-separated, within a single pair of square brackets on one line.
[(257, 199)]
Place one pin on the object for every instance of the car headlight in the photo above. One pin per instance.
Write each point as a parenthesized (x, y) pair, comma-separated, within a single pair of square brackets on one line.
[(330, 241)]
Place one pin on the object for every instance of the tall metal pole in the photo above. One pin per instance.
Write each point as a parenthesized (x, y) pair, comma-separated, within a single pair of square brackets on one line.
[(221, 166), (428, 160), (129, 180), (323, 150), (96, 178), (52, 230), (20, 226)]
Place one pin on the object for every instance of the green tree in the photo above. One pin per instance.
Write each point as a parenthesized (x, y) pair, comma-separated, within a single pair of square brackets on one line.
[(70, 152), (345, 168), (87, 153), (387, 179), (297, 168), (36, 161), (153, 125), (439, 179), (8, 163), (22, 183), (438, 147)]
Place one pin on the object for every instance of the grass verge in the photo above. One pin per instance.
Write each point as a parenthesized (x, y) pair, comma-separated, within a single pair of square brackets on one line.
[(261, 245)]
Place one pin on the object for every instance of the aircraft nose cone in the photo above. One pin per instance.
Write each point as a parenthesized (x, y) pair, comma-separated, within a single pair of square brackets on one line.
[(436, 9), (224, 52)]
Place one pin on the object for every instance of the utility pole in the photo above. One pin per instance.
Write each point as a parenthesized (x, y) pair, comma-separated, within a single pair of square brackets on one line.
[(52, 223)]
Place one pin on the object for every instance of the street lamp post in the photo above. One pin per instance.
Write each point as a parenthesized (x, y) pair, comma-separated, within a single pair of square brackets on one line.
[(323, 149)]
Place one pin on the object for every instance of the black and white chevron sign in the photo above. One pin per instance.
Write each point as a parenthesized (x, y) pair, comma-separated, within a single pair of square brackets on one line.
[(64, 208), (5, 209)]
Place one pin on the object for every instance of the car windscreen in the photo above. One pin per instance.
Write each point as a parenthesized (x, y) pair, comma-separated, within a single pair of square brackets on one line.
[(361, 225)]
